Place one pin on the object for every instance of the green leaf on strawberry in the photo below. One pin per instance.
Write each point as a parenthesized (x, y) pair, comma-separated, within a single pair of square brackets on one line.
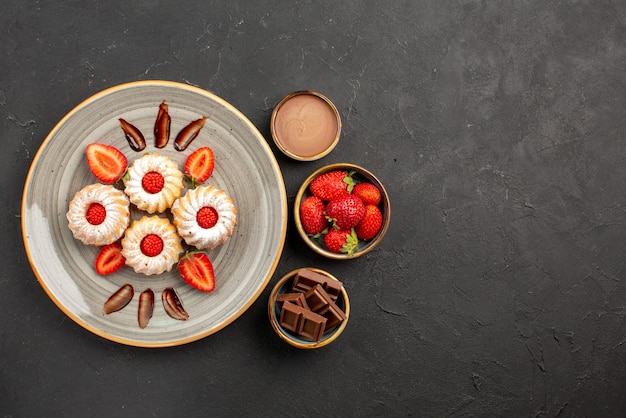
[(349, 180)]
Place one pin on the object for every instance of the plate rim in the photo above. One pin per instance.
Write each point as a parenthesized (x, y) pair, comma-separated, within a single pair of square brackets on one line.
[(48, 138)]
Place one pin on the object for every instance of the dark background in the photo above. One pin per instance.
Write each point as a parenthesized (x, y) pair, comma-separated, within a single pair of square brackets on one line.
[(498, 129)]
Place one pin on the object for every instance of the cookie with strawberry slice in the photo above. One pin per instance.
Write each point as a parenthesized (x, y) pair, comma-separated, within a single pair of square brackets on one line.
[(106, 162), (199, 166), (196, 270)]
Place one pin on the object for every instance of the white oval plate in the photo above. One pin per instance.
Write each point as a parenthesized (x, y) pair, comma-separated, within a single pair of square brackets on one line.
[(244, 167)]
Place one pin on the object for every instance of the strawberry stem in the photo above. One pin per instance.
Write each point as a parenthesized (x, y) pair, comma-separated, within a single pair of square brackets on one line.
[(192, 182), (349, 180), (352, 242)]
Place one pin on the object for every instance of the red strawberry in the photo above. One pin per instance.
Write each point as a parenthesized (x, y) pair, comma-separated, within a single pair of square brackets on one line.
[(199, 165), (96, 213), (345, 212), (106, 162), (312, 215), (151, 245), (369, 193), (153, 182), (207, 217), (197, 271), (333, 184), (370, 224), (341, 241), (110, 259)]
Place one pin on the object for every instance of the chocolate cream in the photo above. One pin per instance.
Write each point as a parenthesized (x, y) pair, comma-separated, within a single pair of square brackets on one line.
[(305, 125)]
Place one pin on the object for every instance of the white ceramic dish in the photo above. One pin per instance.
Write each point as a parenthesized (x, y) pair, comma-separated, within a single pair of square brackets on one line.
[(245, 167)]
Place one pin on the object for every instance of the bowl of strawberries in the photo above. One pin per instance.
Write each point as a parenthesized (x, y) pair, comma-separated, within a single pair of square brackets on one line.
[(342, 211)]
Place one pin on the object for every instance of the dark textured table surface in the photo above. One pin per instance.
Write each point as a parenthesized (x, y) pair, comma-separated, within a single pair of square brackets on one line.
[(499, 131)]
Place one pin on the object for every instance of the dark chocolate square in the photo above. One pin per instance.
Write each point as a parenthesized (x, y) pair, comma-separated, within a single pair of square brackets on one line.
[(290, 316), (317, 298), (312, 326), (296, 298), (306, 279)]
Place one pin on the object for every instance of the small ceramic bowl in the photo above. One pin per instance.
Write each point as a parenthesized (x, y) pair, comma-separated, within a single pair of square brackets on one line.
[(360, 175), (284, 286), (305, 125)]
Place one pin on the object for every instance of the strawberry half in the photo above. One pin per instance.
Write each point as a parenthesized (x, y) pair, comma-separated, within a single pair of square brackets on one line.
[(106, 162), (199, 165), (109, 259), (197, 271)]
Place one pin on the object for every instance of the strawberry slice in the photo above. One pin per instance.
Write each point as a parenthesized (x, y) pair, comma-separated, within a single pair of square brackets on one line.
[(199, 165), (197, 271), (110, 259), (106, 162)]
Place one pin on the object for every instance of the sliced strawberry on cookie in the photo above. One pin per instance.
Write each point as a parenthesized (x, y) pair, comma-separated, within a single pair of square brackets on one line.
[(199, 165), (151, 245), (197, 271), (153, 182), (109, 259), (106, 162)]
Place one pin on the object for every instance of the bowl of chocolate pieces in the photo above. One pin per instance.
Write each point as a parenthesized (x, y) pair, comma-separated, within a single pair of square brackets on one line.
[(309, 308)]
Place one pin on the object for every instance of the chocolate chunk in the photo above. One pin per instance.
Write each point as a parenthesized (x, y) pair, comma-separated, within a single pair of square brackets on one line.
[(316, 298), (295, 298), (334, 315), (321, 303), (312, 326), (302, 321), (290, 316), (306, 279)]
